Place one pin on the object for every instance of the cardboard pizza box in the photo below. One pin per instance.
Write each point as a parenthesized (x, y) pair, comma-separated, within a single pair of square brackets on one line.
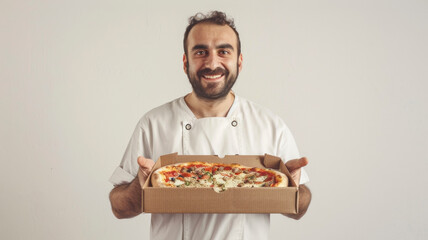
[(233, 200)]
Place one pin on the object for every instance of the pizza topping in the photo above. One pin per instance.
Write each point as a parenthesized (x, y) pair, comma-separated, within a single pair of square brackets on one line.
[(268, 184), (205, 176), (199, 171), (218, 176), (178, 182)]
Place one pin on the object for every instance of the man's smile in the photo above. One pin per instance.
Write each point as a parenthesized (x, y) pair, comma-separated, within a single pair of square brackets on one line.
[(212, 77)]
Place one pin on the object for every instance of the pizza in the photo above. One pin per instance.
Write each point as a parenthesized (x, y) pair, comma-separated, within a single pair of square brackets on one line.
[(218, 176)]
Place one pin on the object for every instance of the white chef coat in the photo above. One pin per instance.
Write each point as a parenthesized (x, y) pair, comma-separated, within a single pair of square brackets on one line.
[(248, 129)]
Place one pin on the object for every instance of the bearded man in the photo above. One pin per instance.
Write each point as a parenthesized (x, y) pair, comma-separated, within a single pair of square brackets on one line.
[(211, 120)]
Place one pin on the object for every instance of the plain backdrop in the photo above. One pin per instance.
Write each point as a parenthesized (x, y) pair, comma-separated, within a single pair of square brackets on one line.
[(348, 77)]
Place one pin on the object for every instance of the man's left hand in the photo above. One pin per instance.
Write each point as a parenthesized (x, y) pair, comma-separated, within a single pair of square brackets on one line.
[(294, 167)]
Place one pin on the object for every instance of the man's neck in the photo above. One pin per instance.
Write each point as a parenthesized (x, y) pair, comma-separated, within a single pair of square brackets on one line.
[(202, 108)]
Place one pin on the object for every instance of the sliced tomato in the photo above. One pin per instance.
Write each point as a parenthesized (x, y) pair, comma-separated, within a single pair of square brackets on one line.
[(205, 176), (171, 174), (186, 174), (226, 175)]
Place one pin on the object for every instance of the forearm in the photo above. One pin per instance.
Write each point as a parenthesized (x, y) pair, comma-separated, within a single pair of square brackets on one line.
[(126, 199), (305, 197)]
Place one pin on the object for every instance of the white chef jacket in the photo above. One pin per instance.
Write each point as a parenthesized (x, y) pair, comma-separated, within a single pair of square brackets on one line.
[(248, 129)]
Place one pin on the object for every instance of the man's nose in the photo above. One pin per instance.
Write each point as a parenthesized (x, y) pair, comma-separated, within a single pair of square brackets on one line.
[(212, 61)]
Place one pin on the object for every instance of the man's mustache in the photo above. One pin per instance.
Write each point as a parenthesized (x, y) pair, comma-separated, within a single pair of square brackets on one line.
[(217, 71)]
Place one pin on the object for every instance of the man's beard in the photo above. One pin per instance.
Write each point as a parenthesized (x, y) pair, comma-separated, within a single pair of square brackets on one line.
[(207, 92)]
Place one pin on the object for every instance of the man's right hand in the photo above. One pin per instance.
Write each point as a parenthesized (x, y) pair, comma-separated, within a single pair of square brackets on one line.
[(146, 166), (126, 198)]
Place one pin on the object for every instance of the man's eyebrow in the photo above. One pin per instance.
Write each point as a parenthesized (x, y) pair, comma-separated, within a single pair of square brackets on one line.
[(203, 46), (225, 45), (199, 46)]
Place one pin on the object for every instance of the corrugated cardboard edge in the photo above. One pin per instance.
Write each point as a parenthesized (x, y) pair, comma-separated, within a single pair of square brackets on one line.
[(142, 183), (267, 160)]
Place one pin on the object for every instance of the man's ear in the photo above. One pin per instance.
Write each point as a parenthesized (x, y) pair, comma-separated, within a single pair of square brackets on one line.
[(184, 63), (240, 59)]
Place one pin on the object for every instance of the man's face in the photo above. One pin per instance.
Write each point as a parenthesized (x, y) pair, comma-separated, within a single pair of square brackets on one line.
[(212, 63)]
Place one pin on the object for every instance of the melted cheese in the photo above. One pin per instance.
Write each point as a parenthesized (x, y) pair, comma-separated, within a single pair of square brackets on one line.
[(224, 180), (178, 182), (260, 179)]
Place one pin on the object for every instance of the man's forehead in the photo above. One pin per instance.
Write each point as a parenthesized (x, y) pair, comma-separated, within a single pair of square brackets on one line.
[(209, 33)]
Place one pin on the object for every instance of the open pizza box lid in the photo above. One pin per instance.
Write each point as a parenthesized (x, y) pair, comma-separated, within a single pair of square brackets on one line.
[(233, 200)]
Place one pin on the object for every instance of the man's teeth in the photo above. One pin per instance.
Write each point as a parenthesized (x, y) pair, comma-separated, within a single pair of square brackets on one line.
[(212, 76)]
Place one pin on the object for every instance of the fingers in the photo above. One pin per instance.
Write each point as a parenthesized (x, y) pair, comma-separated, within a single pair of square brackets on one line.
[(145, 163), (146, 166), (295, 164)]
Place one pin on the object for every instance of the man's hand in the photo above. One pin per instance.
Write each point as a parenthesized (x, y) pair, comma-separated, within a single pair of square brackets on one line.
[(294, 167), (125, 199), (146, 166)]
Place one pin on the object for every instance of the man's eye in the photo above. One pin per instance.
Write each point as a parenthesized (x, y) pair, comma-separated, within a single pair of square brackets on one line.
[(200, 52), (224, 52)]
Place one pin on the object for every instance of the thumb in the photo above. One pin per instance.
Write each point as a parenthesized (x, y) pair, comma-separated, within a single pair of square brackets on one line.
[(146, 164), (295, 164)]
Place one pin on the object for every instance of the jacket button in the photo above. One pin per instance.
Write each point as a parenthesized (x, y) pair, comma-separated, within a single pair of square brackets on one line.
[(188, 126), (234, 123)]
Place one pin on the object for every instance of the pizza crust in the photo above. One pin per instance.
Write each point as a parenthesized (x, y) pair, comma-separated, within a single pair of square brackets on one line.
[(156, 179), (284, 180)]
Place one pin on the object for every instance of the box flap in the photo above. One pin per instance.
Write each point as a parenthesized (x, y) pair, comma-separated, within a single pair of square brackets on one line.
[(168, 159), (247, 160), (284, 170), (271, 161)]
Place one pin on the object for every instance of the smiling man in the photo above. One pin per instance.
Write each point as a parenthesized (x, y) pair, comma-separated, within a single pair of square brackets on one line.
[(209, 120)]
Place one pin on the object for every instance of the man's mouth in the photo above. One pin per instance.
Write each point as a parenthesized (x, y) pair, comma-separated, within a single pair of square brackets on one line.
[(212, 77)]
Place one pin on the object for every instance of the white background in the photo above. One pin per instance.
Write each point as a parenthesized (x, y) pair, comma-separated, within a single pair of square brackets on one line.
[(348, 77)]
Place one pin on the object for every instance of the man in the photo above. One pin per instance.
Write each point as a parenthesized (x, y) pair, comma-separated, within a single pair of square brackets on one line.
[(209, 120)]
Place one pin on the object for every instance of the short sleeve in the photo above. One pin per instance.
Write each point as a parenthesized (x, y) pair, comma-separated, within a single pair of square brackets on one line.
[(304, 178), (120, 176), (137, 146)]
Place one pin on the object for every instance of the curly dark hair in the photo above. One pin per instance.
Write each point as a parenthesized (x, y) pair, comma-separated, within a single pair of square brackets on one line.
[(215, 17)]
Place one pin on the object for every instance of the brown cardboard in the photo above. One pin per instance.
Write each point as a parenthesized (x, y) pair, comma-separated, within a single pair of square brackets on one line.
[(233, 200)]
